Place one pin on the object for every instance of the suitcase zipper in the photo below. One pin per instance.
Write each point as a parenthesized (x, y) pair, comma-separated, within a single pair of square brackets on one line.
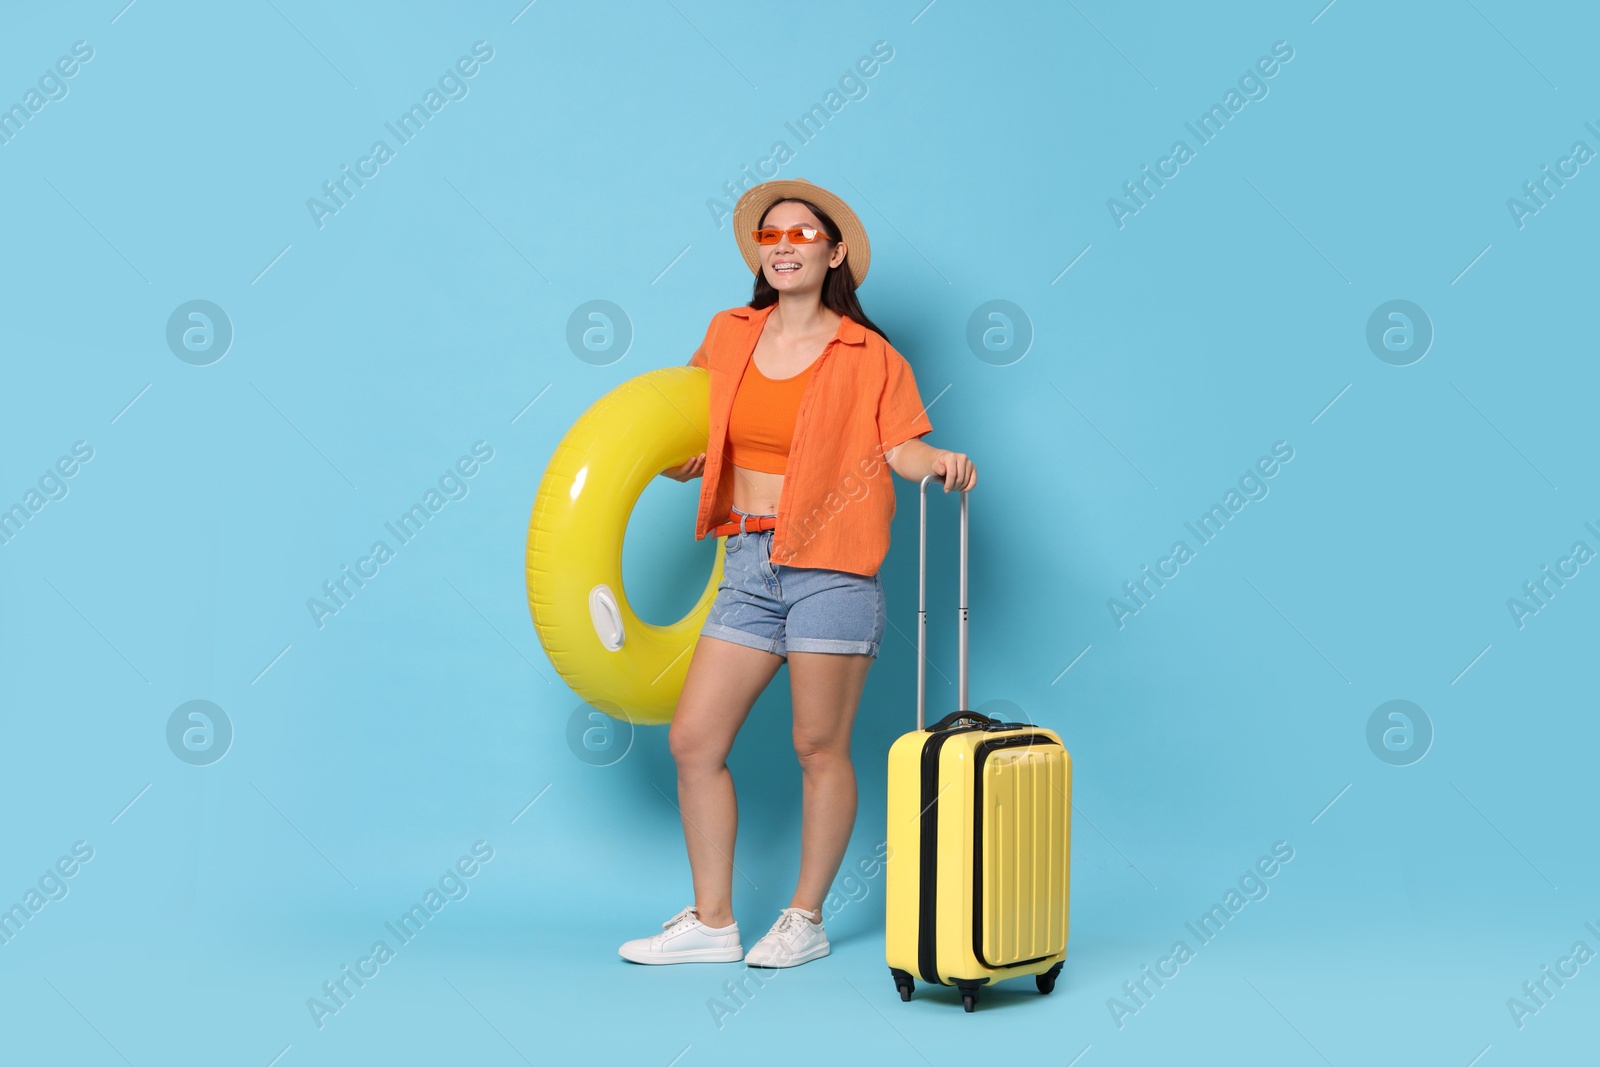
[(928, 875)]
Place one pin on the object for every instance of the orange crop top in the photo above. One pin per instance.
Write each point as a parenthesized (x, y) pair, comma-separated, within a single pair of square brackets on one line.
[(761, 424)]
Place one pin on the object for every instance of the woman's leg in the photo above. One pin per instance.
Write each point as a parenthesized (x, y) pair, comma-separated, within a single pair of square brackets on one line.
[(826, 689), (721, 687)]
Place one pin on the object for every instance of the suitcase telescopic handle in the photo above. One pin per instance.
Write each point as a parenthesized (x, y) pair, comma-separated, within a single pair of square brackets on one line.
[(922, 610)]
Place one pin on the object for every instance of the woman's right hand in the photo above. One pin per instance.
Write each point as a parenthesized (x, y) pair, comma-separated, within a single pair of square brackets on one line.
[(693, 467)]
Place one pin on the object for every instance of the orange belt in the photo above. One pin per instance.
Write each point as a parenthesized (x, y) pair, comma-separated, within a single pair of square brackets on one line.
[(752, 524)]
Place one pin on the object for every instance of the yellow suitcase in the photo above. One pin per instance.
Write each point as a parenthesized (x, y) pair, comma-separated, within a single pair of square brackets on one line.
[(979, 831)]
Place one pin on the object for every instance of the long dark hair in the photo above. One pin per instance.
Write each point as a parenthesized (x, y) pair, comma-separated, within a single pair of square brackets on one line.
[(838, 286)]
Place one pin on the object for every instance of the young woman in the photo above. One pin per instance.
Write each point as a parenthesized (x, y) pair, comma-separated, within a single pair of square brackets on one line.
[(810, 410)]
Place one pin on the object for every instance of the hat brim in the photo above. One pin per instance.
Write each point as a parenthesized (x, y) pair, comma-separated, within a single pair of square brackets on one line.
[(757, 199)]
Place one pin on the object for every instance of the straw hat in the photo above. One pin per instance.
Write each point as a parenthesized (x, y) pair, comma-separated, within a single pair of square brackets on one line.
[(755, 201)]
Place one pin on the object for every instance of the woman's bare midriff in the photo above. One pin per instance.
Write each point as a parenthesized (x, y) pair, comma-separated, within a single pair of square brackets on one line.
[(757, 492)]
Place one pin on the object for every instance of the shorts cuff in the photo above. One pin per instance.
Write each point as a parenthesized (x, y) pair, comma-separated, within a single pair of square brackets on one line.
[(825, 644), (739, 637)]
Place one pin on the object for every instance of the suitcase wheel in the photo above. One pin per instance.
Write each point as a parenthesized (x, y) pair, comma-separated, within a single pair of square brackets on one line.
[(903, 982), (1047, 980), (969, 995)]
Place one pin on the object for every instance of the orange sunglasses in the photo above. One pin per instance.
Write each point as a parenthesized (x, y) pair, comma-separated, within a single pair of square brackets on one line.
[(800, 235)]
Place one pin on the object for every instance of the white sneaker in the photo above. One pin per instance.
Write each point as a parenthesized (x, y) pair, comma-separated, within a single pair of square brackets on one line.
[(685, 939), (793, 939)]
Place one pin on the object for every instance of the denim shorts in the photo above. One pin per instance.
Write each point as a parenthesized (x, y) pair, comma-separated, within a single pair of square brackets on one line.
[(782, 609)]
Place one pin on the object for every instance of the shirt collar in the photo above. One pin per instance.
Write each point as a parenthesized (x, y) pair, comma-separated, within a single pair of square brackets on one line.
[(850, 331)]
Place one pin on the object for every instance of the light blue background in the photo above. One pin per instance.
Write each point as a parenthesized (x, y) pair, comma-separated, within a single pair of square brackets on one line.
[(1227, 315)]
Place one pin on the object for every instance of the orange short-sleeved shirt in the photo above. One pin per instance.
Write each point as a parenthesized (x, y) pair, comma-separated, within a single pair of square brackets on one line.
[(838, 493)]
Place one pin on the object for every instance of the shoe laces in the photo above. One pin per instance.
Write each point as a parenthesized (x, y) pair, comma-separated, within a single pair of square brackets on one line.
[(791, 923), (686, 915)]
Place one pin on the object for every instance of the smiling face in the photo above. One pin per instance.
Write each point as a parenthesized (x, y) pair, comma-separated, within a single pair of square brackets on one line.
[(792, 267)]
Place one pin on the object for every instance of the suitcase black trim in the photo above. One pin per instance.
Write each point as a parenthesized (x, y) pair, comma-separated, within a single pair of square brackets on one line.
[(927, 896), (980, 754)]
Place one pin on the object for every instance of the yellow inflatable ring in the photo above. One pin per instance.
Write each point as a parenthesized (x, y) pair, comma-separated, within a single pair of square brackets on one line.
[(611, 658)]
